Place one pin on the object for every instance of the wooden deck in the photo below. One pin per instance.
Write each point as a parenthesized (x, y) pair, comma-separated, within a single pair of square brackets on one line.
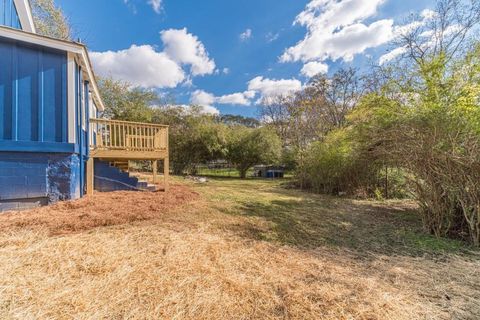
[(123, 141)]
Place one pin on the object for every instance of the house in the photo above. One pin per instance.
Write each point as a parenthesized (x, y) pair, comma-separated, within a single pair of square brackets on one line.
[(52, 145)]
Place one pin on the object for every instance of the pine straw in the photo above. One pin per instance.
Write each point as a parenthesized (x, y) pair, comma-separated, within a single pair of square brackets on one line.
[(152, 273), (101, 209), (186, 263)]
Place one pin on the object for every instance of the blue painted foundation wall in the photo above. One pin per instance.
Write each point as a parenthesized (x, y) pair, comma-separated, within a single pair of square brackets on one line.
[(9, 14), (32, 179)]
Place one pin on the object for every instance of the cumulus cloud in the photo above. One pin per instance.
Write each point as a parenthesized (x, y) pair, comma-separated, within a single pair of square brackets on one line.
[(235, 98), (185, 48), (203, 98), (244, 36), (258, 87), (144, 66), (313, 68), (139, 65), (336, 30), (271, 87)]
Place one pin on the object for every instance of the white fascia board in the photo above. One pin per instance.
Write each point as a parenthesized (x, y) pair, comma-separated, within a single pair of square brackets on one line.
[(93, 82), (76, 48), (25, 15), (71, 98)]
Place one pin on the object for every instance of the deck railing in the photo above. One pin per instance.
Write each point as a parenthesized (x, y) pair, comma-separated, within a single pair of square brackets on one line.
[(123, 135)]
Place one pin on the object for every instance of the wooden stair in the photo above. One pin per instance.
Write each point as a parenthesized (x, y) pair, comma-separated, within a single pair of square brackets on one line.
[(121, 164), (143, 184)]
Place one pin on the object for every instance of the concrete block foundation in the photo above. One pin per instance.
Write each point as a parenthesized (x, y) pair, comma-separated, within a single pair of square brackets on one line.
[(30, 180)]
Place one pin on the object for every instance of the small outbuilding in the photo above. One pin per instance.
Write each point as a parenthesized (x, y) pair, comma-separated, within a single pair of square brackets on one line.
[(270, 172)]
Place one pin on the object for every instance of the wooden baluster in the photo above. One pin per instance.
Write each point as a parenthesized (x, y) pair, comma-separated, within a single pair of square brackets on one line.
[(150, 139), (113, 134)]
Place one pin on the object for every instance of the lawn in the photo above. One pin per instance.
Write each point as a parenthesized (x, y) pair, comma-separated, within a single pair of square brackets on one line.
[(231, 249)]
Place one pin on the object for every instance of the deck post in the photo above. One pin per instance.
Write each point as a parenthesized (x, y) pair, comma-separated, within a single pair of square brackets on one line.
[(166, 172), (90, 176), (155, 170)]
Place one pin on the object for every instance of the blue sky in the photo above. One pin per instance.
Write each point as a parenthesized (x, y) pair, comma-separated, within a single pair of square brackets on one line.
[(228, 55)]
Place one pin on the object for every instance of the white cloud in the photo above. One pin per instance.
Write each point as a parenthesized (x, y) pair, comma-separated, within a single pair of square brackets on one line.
[(203, 98), (272, 36), (270, 87), (226, 70), (250, 94), (210, 110), (313, 68), (391, 55), (156, 5), (335, 30), (259, 86), (185, 48), (146, 67), (234, 98), (139, 65), (246, 35)]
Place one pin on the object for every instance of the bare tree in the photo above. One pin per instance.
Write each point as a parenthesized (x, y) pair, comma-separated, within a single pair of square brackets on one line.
[(335, 96), (275, 111), (448, 30)]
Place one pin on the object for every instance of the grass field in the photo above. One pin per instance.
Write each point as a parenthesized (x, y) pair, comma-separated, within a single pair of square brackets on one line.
[(231, 249)]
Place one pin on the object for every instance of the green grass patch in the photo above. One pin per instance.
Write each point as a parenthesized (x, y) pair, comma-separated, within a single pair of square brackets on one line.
[(306, 220)]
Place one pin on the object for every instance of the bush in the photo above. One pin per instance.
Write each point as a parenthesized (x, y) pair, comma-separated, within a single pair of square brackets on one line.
[(432, 131), (342, 165)]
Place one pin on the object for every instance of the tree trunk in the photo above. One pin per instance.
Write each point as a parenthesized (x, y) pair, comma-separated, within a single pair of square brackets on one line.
[(243, 173)]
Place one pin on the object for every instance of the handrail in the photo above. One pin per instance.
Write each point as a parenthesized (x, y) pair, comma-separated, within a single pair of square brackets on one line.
[(124, 135), (129, 122)]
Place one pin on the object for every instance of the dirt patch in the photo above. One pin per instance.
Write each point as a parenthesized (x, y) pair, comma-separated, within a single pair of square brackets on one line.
[(101, 209)]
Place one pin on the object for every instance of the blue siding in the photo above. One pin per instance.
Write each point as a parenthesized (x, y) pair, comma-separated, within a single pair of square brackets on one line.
[(33, 93), (6, 92), (82, 97), (9, 14)]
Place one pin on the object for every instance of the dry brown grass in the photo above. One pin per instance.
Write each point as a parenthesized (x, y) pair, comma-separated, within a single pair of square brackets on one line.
[(228, 254)]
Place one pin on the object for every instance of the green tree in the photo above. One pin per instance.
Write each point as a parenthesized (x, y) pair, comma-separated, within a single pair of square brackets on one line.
[(125, 102), (247, 147), (50, 20), (230, 120), (195, 138)]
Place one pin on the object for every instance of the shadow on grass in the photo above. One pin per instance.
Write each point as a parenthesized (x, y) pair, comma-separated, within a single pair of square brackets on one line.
[(310, 221)]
